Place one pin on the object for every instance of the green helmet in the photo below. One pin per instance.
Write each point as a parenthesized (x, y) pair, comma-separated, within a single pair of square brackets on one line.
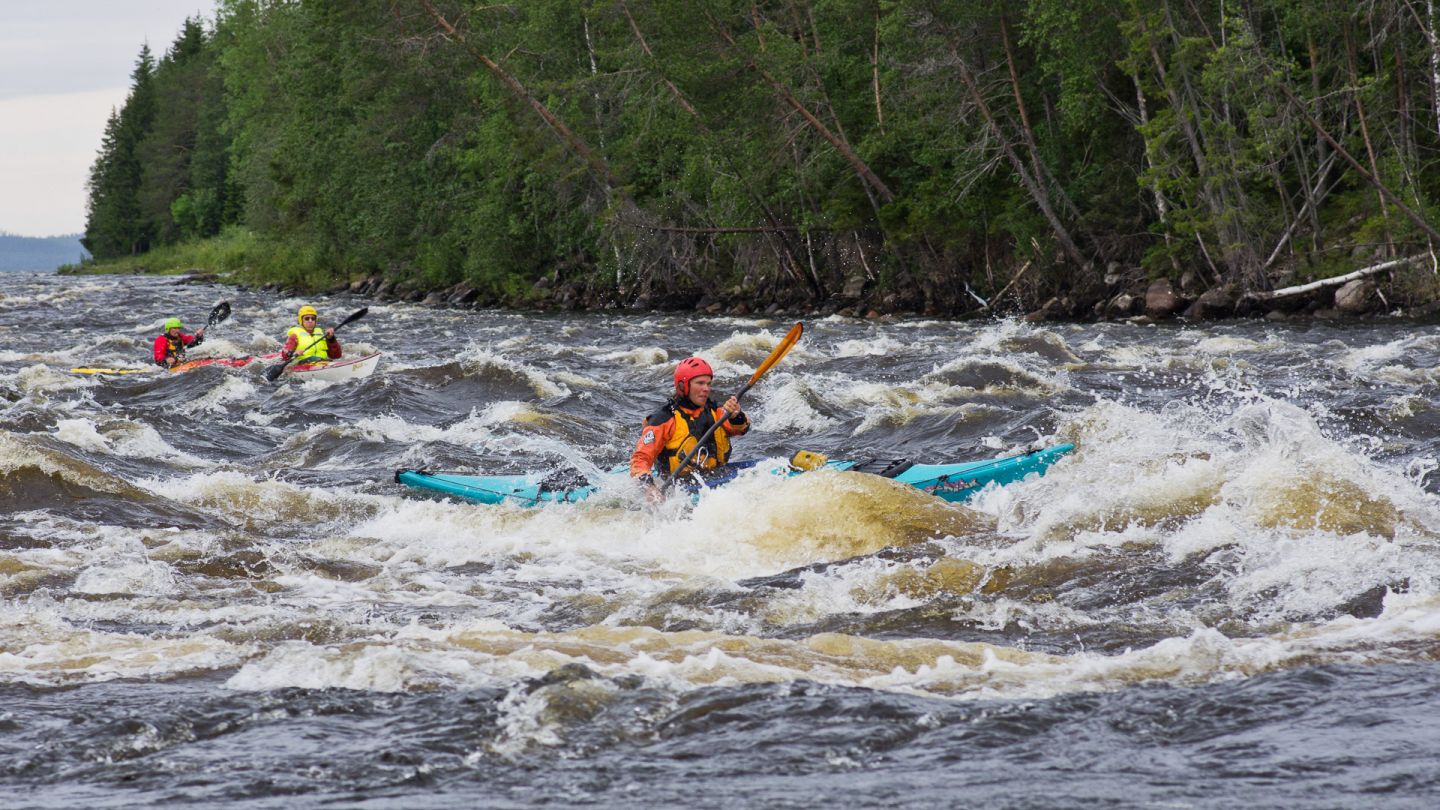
[(173, 323)]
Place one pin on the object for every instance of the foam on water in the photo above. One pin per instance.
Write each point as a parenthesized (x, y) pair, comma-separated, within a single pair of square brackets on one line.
[(240, 499), (787, 406), (646, 357), (41, 649), (39, 379), (137, 578), (1229, 344), (737, 356), (478, 428), (879, 346), (123, 438), (479, 361), (19, 452), (1298, 518)]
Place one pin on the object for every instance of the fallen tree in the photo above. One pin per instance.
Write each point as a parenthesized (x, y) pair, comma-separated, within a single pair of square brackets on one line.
[(1301, 289)]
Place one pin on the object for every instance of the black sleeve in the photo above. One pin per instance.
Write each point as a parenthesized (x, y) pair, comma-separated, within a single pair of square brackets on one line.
[(661, 415)]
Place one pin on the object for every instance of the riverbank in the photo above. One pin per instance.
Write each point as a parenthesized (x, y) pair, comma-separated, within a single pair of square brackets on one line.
[(1404, 288)]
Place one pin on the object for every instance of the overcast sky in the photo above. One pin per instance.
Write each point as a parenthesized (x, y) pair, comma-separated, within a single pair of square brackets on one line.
[(64, 65)]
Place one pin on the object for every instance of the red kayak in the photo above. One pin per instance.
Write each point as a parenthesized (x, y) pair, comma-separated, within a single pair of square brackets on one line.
[(231, 362)]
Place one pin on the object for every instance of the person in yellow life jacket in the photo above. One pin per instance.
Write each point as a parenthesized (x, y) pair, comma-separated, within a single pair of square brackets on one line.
[(307, 339), (169, 348), (671, 432)]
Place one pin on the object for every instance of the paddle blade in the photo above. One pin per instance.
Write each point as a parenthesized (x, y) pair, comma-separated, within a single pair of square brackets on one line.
[(272, 373), (354, 316), (780, 351), (219, 313)]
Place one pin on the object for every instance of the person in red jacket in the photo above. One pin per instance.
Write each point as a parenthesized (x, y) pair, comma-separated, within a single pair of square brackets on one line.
[(169, 349), (671, 432)]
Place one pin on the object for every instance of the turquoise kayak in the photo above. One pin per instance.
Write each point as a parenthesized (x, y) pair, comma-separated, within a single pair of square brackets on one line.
[(951, 482)]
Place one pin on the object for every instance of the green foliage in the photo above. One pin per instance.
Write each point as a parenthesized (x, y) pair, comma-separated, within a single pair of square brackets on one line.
[(116, 225), (788, 146), (239, 252)]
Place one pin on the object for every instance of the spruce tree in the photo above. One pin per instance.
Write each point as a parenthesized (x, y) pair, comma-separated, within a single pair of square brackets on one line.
[(114, 225)]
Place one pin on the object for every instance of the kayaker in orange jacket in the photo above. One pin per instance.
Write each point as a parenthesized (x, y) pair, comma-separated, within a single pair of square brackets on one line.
[(671, 432)]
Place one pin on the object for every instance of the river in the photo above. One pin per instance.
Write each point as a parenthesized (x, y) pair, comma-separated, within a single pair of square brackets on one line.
[(214, 592)]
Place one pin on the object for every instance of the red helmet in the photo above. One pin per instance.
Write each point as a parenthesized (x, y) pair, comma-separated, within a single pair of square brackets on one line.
[(689, 369)]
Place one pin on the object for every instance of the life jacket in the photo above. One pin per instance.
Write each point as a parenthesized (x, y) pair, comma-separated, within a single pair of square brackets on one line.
[(174, 351), (319, 351), (687, 433)]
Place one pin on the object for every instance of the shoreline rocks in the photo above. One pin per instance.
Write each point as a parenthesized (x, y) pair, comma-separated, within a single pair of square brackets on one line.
[(1141, 302)]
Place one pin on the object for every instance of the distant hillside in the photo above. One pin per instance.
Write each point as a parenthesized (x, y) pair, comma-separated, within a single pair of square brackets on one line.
[(38, 254)]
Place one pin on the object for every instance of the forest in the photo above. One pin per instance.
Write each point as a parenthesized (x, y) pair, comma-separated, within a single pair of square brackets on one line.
[(929, 156)]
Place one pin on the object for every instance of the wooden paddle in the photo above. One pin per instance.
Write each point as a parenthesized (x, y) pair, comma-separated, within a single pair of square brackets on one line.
[(781, 349), (272, 373)]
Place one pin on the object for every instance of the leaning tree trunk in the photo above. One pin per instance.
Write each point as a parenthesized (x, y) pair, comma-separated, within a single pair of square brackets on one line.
[(1032, 185)]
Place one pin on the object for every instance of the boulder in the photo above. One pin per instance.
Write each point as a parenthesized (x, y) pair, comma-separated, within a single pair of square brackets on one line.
[(1052, 310), (1356, 297), (1218, 302), (1125, 304), (367, 285), (1161, 300), (1427, 310), (463, 294)]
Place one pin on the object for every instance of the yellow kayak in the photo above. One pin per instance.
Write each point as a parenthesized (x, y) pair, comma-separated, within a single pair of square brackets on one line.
[(112, 370)]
